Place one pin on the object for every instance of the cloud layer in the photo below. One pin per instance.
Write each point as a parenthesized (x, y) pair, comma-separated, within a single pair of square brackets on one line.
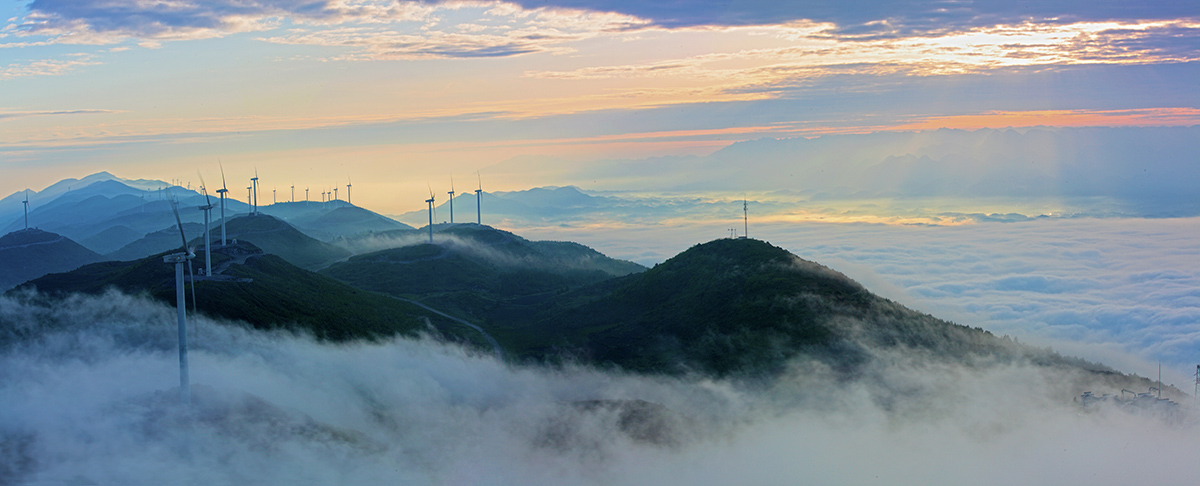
[(88, 396)]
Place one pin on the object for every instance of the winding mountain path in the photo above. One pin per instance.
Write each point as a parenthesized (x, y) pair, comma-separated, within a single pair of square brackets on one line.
[(491, 340)]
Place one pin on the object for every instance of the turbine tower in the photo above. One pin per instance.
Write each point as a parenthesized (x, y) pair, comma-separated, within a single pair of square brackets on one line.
[(478, 207), (335, 193), (26, 201), (207, 208), (185, 388), (451, 199), (250, 198), (293, 193), (273, 191), (430, 201), (254, 183), (348, 185), (305, 195), (222, 192)]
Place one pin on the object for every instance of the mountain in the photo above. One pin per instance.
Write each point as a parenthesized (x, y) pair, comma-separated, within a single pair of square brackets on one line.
[(31, 253), (740, 307), (160, 241), (472, 261), (277, 237), (90, 213), (112, 239), (265, 291), (327, 221)]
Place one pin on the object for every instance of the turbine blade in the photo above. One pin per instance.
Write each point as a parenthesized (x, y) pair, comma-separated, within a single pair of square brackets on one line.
[(203, 187), (178, 222), (222, 173)]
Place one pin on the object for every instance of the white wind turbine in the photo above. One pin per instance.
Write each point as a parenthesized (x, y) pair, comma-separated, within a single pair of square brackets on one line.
[(348, 185), (185, 390), (26, 201), (254, 185), (207, 208), (478, 197), (451, 199), (430, 201), (222, 192)]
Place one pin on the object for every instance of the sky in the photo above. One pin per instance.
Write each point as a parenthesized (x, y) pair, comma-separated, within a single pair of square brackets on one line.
[(396, 95), (890, 118)]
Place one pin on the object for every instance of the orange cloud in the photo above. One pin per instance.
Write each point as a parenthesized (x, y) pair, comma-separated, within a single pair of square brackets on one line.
[(1060, 118)]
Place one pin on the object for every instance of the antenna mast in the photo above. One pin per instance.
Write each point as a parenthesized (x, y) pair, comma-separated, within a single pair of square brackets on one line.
[(745, 218), (1197, 390)]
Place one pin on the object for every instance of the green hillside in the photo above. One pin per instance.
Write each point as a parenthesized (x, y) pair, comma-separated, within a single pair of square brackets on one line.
[(736, 306), (266, 292)]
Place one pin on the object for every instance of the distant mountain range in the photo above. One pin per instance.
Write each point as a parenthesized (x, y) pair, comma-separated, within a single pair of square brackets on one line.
[(106, 213)]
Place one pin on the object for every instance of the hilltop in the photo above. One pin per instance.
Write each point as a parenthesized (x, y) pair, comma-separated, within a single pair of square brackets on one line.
[(470, 262), (745, 308), (31, 253), (277, 237), (336, 219)]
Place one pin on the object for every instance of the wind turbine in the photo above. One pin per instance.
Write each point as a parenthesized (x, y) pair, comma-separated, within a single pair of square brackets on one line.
[(348, 185), (451, 199), (335, 193), (478, 196), (254, 183), (222, 192), (293, 193), (250, 198), (185, 389), (273, 190), (207, 208), (26, 201), (430, 201), (305, 195)]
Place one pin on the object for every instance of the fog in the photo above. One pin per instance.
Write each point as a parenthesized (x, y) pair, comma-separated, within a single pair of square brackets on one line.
[(90, 397)]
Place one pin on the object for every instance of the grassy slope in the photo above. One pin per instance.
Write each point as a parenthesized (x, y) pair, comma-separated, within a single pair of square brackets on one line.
[(280, 295)]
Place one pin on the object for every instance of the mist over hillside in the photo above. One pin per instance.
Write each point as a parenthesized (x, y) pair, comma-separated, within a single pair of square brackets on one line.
[(88, 393)]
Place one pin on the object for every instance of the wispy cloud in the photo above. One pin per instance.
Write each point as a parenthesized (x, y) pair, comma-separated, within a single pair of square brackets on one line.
[(47, 67), (807, 50), (6, 115), (1061, 118)]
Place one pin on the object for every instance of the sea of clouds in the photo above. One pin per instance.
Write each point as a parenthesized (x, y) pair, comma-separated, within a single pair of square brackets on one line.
[(89, 396)]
